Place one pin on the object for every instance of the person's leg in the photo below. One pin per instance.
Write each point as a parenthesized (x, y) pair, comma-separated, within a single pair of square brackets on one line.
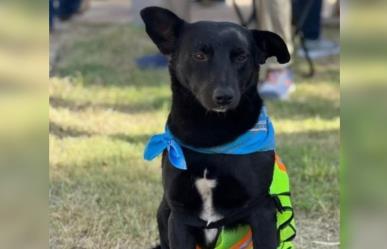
[(281, 19), (67, 8), (311, 27), (51, 14), (275, 16), (263, 19)]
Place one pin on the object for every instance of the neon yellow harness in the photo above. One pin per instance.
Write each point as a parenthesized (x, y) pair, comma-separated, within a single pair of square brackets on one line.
[(241, 238)]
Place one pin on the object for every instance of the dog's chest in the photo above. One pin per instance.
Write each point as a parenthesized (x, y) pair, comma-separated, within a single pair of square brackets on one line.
[(205, 188)]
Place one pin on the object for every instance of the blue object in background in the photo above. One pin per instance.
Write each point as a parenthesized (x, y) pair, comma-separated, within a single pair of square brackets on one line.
[(152, 61)]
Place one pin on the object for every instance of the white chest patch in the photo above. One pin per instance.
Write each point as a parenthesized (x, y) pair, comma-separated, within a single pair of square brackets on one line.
[(205, 188)]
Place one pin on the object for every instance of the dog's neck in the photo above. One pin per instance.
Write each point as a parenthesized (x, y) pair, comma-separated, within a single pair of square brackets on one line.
[(191, 123)]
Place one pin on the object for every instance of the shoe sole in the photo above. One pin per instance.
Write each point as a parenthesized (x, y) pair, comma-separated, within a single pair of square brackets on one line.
[(317, 54)]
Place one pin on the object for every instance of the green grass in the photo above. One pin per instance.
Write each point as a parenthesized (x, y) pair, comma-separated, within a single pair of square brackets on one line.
[(102, 111)]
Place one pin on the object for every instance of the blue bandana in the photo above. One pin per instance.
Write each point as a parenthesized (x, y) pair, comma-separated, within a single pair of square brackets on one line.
[(259, 138)]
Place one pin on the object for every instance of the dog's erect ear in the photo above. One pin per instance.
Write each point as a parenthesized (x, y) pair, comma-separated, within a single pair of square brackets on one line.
[(271, 44), (162, 26)]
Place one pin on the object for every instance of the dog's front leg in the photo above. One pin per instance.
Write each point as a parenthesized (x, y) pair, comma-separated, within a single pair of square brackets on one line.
[(162, 220), (264, 228), (179, 234)]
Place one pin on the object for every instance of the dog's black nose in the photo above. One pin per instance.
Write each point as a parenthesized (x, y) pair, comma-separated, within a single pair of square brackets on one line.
[(223, 97)]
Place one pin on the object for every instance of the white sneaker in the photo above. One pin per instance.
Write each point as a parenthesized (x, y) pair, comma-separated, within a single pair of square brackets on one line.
[(278, 84)]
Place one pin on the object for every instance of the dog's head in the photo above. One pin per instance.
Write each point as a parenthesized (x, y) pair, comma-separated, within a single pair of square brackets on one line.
[(216, 61)]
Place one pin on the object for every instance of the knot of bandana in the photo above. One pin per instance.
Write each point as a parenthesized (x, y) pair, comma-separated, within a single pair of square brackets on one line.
[(158, 143)]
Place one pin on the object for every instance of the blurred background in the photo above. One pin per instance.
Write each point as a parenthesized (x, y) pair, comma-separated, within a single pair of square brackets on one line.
[(109, 91), (364, 119), (23, 126)]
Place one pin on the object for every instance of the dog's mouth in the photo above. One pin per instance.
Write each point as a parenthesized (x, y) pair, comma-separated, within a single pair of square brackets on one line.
[(220, 109)]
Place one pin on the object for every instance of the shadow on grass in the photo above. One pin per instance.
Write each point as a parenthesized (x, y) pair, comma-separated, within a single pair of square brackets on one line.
[(104, 75), (63, 132), (297, 109), (308, 107), (140, 138), (149, 104), (307, 135)]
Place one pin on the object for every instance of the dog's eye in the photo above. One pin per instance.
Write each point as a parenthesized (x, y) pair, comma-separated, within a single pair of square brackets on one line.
[(199, 56), (241, 58)]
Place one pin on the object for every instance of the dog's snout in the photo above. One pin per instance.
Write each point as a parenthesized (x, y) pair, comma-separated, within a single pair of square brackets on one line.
[(223, 97)]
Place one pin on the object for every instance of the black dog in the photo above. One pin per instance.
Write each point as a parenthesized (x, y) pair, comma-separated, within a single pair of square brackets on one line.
[(214, 71)]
